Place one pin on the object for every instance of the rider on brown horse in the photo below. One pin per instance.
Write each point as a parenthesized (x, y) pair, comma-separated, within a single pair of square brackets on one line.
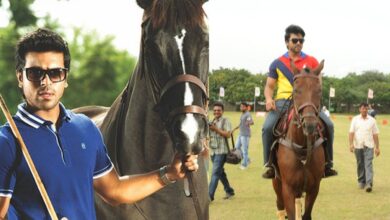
[(281, 75)]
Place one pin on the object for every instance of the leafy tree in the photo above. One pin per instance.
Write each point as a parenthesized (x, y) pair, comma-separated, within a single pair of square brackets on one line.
[(8, 83), (99, 71), (239, 84), (21, 12)]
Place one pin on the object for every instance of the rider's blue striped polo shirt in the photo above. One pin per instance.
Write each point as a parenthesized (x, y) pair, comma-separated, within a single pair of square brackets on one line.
[(67, 160)]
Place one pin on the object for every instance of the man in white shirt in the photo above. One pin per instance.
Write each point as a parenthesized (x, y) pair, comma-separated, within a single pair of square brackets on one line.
[(326, 111), (364, 141)]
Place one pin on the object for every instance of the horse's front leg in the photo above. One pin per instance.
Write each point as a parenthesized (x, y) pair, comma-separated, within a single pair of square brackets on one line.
[(311, 198), (309, 202), (289, 200), (316, 169), (277, 184)]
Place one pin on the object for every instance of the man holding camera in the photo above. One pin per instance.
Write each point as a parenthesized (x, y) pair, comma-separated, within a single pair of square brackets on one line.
[(220, 129)]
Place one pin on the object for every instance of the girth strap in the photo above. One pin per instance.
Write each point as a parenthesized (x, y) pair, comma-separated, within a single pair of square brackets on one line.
[(288, 143)]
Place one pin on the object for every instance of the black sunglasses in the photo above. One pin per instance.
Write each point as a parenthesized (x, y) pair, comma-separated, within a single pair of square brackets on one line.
[(36, 74), (295, 40)]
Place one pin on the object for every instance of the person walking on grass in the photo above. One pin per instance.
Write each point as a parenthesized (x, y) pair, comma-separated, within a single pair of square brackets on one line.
[(364, 142), (244, 136), (220, 129)]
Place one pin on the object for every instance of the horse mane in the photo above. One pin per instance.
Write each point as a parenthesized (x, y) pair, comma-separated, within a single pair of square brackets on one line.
[(171, 14)]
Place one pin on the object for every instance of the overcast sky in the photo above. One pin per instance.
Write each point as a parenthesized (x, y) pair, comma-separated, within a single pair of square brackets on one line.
[(351, 35)]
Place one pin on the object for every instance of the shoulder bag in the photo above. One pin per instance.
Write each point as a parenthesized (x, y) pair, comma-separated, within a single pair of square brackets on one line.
[(233, 156)]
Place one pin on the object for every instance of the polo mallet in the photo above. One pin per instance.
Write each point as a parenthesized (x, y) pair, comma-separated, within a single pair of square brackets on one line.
[(29, 161)]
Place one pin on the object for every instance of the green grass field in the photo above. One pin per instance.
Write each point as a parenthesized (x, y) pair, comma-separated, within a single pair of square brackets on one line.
[(339, 196)]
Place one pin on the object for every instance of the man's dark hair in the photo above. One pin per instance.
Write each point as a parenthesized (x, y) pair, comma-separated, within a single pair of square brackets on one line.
[(293, 29), (363, 104), (244, 103), (220, 105), (40, 40)]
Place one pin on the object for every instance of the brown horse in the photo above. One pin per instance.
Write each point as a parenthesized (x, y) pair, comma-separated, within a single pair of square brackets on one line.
[(300, 153)]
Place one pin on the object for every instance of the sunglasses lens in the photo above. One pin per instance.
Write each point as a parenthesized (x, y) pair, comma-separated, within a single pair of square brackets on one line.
[(34, 74), (57, 75)]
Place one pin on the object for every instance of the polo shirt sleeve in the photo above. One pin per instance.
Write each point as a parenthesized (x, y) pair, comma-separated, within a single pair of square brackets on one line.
[(103, 163), (7, 171), (272, 70)]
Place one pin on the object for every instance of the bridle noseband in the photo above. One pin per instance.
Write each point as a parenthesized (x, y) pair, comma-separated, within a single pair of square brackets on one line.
[(194, 109)]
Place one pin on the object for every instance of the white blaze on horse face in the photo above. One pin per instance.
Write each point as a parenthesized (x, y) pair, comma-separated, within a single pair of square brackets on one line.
[(188, 96), (189, 127), (189, 124), (179, 41)]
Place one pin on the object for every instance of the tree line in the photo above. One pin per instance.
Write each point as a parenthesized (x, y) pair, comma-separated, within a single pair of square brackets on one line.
[(351, 90)]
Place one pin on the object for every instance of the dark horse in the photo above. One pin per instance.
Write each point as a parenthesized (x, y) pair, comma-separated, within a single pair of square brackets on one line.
[(300, 153), (161, 111)]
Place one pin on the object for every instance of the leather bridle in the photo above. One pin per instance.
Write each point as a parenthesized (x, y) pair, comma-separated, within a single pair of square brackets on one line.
[(299, 109), (194, 109)]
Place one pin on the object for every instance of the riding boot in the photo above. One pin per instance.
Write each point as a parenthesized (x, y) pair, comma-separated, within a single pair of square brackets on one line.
[(328, 165)]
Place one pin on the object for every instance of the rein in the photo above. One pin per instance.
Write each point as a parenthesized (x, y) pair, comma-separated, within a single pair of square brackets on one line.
[(194, 109)]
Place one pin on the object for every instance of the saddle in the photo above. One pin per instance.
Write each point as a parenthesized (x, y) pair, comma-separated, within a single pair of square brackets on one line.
[(279, 135)]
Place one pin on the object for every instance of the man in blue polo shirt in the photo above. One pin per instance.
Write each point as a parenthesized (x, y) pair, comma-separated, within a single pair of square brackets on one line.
[(67, 148)]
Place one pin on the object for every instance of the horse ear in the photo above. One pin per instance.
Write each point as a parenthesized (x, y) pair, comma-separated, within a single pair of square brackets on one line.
[(294, 68), (144, 3), (319, 68)]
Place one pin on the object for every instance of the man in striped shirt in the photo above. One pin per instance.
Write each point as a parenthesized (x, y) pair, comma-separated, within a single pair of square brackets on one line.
[(220, 129)]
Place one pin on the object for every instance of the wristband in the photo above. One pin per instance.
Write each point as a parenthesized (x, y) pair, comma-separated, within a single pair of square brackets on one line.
[(163, 175)]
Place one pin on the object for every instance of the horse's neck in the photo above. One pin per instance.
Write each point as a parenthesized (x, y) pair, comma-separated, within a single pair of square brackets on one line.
[(294, 130)]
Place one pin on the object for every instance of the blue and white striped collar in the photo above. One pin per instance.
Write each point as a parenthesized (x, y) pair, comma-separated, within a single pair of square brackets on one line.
[(36, 121)]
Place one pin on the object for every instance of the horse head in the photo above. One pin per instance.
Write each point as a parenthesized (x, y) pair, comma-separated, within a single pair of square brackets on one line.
[(174, 56), (307, 92)]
